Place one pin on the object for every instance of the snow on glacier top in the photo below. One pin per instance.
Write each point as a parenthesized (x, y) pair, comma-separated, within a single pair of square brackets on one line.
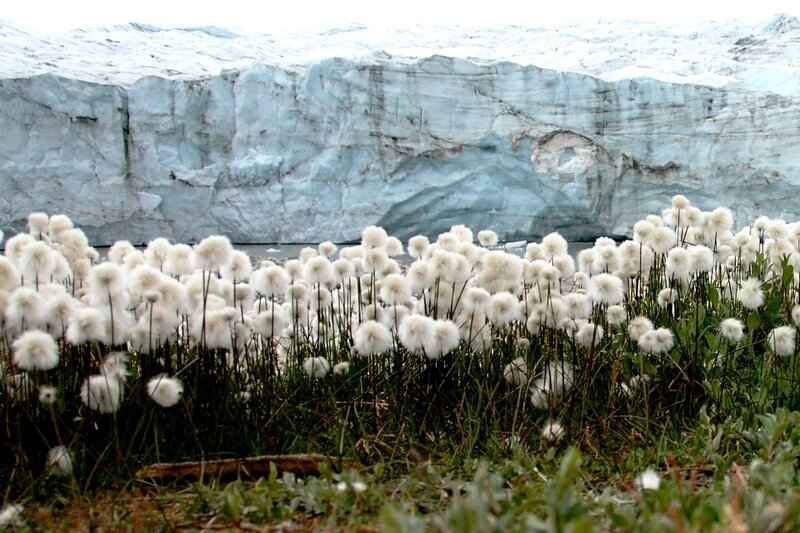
[(731, 53)]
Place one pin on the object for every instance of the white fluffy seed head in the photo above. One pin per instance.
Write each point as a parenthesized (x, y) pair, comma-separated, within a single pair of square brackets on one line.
[(502, 309), (553, 245), (118, 251), (750, 294), (415, 332), (37, 223), (515, 373), (35, 350), (487, 238), (552, 431), (373, 237), (372, 338), (395, 290), (605, 289), (164, 390), (101, 393), (444, 339), (47, 395), (59, 461), (36, 262), (462, 232), (616, 315), (318, 271), (57, 225), (639, 326), (394, 247), (418, 246), (316, 367), (212, 253), (155, 255), (238, 268), (781, 340), (732, 329), (271, 281), (648, 480), (327, 249), (179, 260)]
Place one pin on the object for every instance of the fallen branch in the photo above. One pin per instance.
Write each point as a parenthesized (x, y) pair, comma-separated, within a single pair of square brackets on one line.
[(248, 467)]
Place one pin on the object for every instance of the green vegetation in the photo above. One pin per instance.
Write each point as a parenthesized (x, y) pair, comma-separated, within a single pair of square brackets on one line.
[(650, 382)]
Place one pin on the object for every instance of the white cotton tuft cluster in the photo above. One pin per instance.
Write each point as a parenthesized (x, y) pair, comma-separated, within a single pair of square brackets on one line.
[(164, 390)]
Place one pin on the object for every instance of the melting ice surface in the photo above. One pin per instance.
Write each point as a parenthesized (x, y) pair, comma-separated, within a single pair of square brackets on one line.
[(137, 132)]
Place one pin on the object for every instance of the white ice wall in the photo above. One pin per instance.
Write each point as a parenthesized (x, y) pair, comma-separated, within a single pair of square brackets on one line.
[(273, 153)]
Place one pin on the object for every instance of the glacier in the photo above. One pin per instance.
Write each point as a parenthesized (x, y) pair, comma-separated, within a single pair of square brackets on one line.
[(137, 132)]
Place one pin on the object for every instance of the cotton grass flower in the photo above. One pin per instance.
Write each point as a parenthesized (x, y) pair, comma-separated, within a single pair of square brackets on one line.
[(781, 340), (341, 368), (588, 334), (326, 249), (393, 247), (515, 373), (702, 258), (503, 309), (656, 341), (605, 289), (9, 274), (553, 244), (500, 271), (732, 329), (666, 297), (578, 305), (616, 315), (115, 365), (418, 246), (565, 265), (679, 263), (108, 284), (270, 323), (316, 367), (212, 253), (556, 379), (373, 237), (661, 239), (36, 262), (59, 461), (57, 225), (179, 260), (395, 290), (11, 516), (444, 338), (271, 282), (462, 233), (552, 431), (35, 350), (164, 390), (639, 326), (648, 480), (487, 238), (47, 395), (372, 338), (87, 324), (238, 268), (750, 294), (318, 271), (719, 220), (680, 202), (23, 310), (101, 393), (415, 332)]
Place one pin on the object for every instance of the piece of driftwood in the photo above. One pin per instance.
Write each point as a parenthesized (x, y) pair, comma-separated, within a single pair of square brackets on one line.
[(246, 467)]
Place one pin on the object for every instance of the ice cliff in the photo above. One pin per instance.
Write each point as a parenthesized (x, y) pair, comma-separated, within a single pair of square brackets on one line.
[(137, 132)]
